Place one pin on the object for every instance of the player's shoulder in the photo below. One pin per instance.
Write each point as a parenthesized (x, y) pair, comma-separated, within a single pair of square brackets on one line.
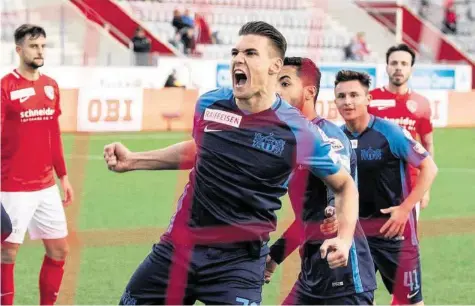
[(377, 91), (293, 118), (49, 80), (419, 98), (9, 78), (217, 95), (334, 133), (387, 128), (211, 97)]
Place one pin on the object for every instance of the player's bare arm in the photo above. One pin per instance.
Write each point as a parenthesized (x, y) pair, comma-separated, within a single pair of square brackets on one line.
[(427, 142), (400, 214), (177, 156), (346, 203)]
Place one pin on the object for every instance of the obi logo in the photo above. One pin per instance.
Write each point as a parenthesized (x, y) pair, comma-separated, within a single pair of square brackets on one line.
[(371, 154), (113, 110), (268, 144)]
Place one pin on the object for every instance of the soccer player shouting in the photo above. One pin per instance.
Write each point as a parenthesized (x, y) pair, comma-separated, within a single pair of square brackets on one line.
[(246, 143)]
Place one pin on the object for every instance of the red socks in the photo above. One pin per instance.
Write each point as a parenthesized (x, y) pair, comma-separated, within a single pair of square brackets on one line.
[(51, 275), (7, 286)]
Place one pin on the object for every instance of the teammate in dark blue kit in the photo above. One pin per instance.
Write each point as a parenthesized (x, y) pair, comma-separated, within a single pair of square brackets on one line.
[(387, 214), (318, 283), (246, 142)]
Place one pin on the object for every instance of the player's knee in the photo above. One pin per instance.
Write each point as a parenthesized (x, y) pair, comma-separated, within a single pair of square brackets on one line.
[(9, 252), (57, 251)]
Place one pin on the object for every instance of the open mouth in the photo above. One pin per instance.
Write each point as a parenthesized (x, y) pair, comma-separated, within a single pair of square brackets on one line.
[(240, 78)]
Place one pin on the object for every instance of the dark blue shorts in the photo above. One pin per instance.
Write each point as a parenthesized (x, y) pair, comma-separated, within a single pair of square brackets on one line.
[(296, 297), (399, 264), (212, 275), (6, 224)]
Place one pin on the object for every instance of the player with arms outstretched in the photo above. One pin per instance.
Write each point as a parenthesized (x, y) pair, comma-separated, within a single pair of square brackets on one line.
[(387, 204), (246, 142), (31, 151), (398, 103), (319, 283)]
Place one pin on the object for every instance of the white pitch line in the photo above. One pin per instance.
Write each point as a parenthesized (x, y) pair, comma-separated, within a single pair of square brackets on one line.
[(100, 157), (121, 137)]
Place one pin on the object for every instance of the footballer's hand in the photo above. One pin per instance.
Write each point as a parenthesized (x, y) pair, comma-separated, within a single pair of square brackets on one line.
[(271, 265), (330, 224), (116, 156), (394, 227), (67, 190), (336, 251), (425, 200)]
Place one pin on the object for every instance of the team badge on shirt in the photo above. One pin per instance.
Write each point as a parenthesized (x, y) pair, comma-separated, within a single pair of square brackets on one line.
[(411, 106), (49, 91)]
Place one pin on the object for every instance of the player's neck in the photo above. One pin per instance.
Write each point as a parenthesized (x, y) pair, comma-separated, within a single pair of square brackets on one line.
[(398, 90), (28, 73), (359, 124), (257, 103), (308, 110)]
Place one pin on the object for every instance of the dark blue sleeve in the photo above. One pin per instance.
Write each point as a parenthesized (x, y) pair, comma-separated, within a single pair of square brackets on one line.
[(204, 101), (401, 143)]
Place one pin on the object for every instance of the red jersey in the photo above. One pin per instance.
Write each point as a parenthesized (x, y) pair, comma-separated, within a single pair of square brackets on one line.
[(411, 111), (30, 136)]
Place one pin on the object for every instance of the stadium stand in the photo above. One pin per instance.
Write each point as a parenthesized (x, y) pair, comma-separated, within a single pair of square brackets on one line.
[(73, 40), (310, 30)]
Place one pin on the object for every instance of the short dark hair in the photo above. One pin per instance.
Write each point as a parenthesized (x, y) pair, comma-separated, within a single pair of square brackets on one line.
[(262, 28), (350, 75), (401, 47), (307, 69), (33, 30)]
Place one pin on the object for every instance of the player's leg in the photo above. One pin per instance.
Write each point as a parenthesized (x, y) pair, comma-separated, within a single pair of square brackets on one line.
[(149, 283), (363, 298), (20, 206), (399, 266), (297, 297), (230, 276), (49, 224)]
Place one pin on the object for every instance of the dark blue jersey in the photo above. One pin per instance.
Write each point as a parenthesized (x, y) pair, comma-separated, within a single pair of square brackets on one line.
[(384, 151), (310, 197), (243, 165)]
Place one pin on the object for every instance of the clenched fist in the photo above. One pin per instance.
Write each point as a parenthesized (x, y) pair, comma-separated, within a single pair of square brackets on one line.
[(116, 156)]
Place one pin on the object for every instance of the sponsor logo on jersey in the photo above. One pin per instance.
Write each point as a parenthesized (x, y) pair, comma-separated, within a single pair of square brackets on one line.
[(411, 106), (371, 154), (337, 145), (268, 144), (49, 91), (22, 94), (405, 122), (419, 148), (222, 117), (37, 114), (382, 104)]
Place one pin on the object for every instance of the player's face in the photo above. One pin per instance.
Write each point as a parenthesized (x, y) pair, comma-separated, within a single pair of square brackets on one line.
[(254, 59), (31, 51), (399, 67), (290, 86), (352, 99)]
